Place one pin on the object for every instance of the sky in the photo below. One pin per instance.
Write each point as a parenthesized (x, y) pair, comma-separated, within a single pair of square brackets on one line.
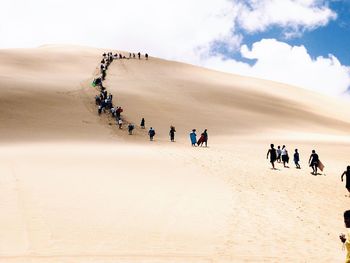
[(299, 42)]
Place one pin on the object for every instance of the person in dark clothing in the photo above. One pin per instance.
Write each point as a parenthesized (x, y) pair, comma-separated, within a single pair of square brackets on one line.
[(313, 162), (205, 138), (146, 56), (97, 100), (347, 174), (142, 123), (130, 128), (172, 133), (296, 159), (151, 133), (98, 82), (133, 55), (139, 55), (273, 156)]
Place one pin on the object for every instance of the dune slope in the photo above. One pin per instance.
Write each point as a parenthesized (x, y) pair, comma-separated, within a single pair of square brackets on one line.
[(74, 188)]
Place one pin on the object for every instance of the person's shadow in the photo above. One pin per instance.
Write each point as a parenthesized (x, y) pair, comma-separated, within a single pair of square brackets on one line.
[(317, 174)]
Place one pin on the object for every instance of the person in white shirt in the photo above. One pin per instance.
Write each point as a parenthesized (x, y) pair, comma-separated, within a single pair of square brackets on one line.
[(120, 123), (284, 155)]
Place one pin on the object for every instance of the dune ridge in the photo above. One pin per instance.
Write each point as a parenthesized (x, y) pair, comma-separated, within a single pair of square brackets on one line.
[(74, 188)]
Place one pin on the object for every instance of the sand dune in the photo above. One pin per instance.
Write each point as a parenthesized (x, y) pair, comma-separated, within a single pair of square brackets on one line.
[(74, 188)]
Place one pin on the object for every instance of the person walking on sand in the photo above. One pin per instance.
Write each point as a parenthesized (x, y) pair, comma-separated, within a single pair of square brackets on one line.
[(296, 159), (313, 162), (284, 156), (205, 138), (139, 55), (151, 133), (347, 174), (172, 133), (142, 123), (346, 239), (130, 128), (273, 156), (278, 153), (193, 137), (146, 56), (120, 123)]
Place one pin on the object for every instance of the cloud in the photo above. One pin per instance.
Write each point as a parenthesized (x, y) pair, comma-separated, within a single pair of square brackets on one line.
[(169, 29), (184, 30), (278, 61), (291, 15)]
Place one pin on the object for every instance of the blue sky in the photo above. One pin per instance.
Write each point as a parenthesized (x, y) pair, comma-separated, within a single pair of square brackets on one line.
[(333, 38)]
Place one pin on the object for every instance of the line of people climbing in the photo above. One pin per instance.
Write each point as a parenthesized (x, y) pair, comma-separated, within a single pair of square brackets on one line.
[(104, 101)]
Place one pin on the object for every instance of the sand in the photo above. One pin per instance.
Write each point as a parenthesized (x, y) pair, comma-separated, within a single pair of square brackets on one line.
[(74, 188)]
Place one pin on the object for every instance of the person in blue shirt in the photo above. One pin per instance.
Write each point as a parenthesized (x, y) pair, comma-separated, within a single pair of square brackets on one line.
[(193, 137)]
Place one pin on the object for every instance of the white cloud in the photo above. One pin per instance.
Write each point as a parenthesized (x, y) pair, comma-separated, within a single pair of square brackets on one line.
[(281, 62), (182, 30), (170, 29), (291, 15)]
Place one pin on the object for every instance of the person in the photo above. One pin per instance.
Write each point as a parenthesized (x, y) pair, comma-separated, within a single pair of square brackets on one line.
[(284, 156), (133, 55), (313, 162), (146, 55), (130, 128), (118, 112), (201, 140), (104, 74), (346, 239), (120, 123), (205, 137), (273, 156), (172, 133), (296, 159), (151, 133), (139, 55), (193, 137), (347, 173), (142, 123), (97, 100), (278, 153)]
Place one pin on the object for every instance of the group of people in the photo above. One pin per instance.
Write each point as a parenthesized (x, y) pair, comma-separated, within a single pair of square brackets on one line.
[(281, 155), (203, 139), (104, 101)]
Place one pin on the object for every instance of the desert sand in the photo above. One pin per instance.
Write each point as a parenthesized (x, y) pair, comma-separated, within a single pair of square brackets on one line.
[(74, 188)]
